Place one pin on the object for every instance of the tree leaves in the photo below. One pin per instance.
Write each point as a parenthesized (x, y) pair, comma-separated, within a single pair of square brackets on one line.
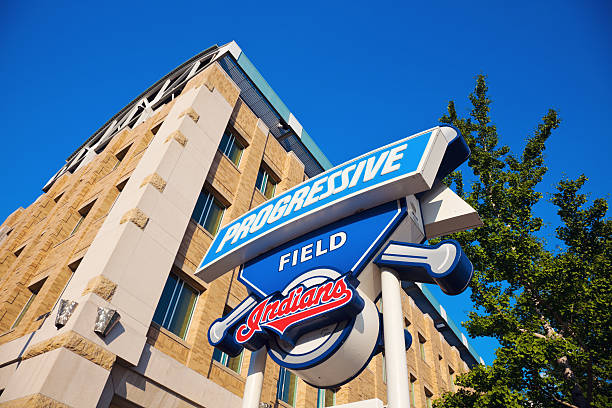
[(550, 311)]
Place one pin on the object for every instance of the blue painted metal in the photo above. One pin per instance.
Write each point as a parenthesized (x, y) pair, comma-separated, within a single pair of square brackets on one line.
[(331, 187), (361, 235)]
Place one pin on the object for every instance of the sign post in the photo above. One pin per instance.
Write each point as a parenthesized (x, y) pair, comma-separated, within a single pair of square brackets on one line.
[(316, 258), (254, 380), (395, 347)]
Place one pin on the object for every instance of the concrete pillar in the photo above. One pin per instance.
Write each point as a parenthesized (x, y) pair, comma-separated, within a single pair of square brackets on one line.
[(254, 381), (395, 344), (128, 262)]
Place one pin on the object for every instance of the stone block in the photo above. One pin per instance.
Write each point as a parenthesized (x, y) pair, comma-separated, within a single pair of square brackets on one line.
[(101, 286), (178, 136), (136, 216), (155, 180), (77, 344)]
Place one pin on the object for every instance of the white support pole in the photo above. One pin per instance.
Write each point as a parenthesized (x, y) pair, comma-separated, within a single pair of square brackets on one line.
[(254, 380), (395, 345)]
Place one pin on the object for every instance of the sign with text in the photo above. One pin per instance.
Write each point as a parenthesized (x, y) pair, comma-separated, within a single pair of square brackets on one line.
[(406, 167), (345, 246), (305, 253)]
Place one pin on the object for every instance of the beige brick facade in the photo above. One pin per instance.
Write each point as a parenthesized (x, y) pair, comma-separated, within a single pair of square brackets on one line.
[(49, 238)]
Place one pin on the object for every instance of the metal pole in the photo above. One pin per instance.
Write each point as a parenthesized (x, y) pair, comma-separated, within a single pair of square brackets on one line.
[(395, 344), (254, 380)]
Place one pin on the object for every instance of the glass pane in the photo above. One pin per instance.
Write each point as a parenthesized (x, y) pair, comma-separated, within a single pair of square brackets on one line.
[(412, 392), (24, 310), (235, 153), (164, 301), (384, 370), (260, 183), (270, 187), (330, 398), (182, 313), (287, 386), (320, 398), (233, 363), (213, 219), (78, 224), (218, 355), (198, 211), (292, 388), (225, 140)]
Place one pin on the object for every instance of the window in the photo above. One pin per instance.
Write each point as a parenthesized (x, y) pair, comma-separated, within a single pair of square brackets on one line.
[(233, 363), (34, 289), (422, 347), (59, 197), (451, 378), (208, 212), (121, 155), (231, 147), (412, 396), (176, 306), (326, 398), (287, 386), (265, 183), (155, 128), (428, 395), (19, 251), (384, 369), (83, 213), (119, 188), (154, 131)]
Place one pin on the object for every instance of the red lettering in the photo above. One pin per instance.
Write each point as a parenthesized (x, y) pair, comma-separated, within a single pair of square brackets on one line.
[(283, 309), (324, 293), (341, 290), (271, 312), (308, 299), (246, 331), (295, 305)]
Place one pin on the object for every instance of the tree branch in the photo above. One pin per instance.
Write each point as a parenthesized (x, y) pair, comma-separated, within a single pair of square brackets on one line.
[(565, 404)]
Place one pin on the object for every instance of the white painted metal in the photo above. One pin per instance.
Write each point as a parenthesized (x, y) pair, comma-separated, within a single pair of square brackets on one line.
[(395, 344), (295, 125), (444, 212), (440, 259), (254, 381)]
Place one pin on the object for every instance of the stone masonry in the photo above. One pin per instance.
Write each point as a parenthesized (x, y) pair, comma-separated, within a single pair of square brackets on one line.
[(109, 234)]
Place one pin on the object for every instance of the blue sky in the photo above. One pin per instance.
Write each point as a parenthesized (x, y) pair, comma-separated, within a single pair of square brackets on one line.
[(357, 75)]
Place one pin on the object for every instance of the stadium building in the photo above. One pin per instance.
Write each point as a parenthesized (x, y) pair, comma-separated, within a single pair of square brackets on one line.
[(99, 304)]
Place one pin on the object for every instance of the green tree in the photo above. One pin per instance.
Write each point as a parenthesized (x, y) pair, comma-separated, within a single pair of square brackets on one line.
[(549, 310)]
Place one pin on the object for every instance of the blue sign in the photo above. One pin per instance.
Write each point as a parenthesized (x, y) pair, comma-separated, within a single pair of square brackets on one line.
[(342, 248), (406, 167), (305, 251), (346, 246)]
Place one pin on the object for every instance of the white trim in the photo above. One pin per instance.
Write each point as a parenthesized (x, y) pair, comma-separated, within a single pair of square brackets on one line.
[(232, 48), (295, 125)]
